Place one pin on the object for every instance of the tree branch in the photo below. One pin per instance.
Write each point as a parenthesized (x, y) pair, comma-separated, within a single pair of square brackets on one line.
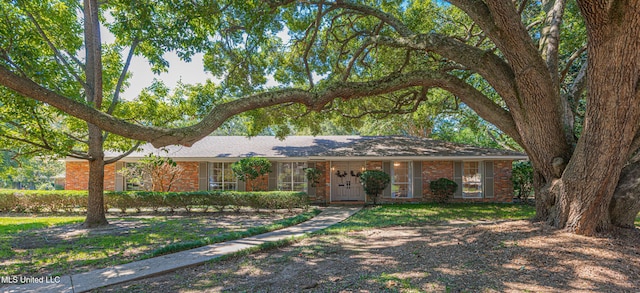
[(55, 50), (119, 157), (490, 66), (312, 99)]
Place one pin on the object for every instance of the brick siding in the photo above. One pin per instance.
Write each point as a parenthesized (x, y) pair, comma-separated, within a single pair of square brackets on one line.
[(77, 176)]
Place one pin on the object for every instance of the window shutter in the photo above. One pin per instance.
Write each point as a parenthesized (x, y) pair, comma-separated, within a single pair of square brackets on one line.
[(203, 177), (273, 176), (242, 186), (386, 167), (119, 178), (310, 189), (417, 179), (488, 180), (457, 178)]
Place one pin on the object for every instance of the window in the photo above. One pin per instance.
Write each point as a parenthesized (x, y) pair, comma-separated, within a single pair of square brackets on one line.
[(472, 180), (221, 177), (291, 176), (134, 179), (401, 180)]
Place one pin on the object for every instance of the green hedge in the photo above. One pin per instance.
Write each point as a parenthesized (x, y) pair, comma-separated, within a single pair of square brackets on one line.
[(69, 200)]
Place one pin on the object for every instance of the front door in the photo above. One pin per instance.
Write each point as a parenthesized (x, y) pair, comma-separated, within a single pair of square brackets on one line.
[(345, 181)]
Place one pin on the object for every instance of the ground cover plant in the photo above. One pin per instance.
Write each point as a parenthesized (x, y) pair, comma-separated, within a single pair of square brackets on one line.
[(70, 248), (423, 248)]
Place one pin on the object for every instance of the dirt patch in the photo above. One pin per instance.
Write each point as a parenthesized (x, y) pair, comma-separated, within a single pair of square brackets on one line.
[(510, 256)]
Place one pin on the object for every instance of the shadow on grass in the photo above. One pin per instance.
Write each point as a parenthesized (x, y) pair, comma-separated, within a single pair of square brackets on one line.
[(416, 256)]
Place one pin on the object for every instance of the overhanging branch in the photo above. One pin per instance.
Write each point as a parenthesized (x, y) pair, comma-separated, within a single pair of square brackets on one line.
[(316, 100)]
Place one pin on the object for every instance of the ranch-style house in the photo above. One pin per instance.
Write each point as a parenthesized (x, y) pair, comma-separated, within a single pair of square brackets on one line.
[(482, 174)]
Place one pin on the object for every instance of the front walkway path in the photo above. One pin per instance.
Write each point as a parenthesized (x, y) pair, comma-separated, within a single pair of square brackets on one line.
[(158, 265)]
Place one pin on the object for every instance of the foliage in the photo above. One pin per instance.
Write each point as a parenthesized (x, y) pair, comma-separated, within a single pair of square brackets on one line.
[(313, 176), (374, 182), (522, 178), (443, 189), (70, 200), (250, 169), (161, 172), (28, 172)]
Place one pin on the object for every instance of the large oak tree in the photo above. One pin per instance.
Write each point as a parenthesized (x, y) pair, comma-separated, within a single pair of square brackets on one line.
[(567, 96)]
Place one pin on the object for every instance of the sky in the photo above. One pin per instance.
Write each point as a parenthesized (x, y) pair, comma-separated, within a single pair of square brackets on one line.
[(142, 76)]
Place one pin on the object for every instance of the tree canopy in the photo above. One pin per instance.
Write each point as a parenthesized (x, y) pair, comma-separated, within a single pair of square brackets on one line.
[(555, 76)]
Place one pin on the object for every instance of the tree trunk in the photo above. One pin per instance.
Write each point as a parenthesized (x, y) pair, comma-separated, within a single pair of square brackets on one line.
[(582, 198), (96, 215), (625, 204)]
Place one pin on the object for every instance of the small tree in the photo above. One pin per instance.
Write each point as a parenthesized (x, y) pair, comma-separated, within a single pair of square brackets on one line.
[(313, 176), (161, 172), (442, 189), (374, 182), (249, 169)]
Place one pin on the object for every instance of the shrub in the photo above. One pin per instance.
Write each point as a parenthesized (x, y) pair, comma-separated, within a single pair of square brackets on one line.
[(374, 182), (443, 189), (69, 200), (313, 176), (249, 169), (522, 178)]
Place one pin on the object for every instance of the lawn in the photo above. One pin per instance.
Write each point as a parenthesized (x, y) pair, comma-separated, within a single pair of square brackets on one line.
[(421, 248), (58, 245), (421, 214)]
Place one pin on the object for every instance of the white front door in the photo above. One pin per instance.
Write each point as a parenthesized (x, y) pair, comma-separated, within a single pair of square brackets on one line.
[(345, 181)]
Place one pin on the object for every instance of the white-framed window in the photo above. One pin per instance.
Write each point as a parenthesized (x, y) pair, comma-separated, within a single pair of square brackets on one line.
[(291, 176), (401, 186), (134, 180), (220, 176), (472, 179)]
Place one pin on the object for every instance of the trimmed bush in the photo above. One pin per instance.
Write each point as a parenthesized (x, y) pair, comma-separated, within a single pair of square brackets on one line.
[(70, 200), (374, 182), (443, 189)]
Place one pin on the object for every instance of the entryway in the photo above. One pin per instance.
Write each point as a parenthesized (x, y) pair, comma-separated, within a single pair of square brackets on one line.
[(345, 181)]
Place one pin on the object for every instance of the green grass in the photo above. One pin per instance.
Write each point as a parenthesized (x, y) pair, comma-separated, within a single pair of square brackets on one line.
[(56, 256), (235, 235), (13, 225), (420, 214)]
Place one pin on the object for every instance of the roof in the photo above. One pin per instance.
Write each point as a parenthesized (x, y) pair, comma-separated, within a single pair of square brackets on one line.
[(322, 147)]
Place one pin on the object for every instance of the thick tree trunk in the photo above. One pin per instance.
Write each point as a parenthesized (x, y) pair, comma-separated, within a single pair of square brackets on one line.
[(625, 204), (582, 198), (96, 215)]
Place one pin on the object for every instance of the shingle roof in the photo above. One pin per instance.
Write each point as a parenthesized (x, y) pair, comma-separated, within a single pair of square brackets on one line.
[(321, 146)]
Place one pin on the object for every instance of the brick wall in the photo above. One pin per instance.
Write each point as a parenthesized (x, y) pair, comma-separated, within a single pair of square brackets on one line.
[(110, 177), (189, 178), (502, 181), (433, 170), (259, 184), (77, 176)]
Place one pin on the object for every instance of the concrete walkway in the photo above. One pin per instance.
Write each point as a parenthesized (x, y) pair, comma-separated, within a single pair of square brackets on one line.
[(158, 265)]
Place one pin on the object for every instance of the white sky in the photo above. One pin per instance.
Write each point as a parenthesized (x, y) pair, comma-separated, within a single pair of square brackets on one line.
[(142, 76)]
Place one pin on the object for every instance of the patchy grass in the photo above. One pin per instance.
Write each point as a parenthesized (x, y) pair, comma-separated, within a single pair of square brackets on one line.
[(420, 214), (13, 225), (70, 249), (175, 247)]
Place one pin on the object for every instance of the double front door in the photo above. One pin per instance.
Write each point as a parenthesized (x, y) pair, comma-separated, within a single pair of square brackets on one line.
[(345, 181)]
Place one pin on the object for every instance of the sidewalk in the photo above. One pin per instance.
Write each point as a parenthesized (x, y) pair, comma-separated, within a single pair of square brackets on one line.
[(158, 265)]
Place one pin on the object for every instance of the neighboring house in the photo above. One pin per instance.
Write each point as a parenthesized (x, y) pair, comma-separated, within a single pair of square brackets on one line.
[(482, 174)]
